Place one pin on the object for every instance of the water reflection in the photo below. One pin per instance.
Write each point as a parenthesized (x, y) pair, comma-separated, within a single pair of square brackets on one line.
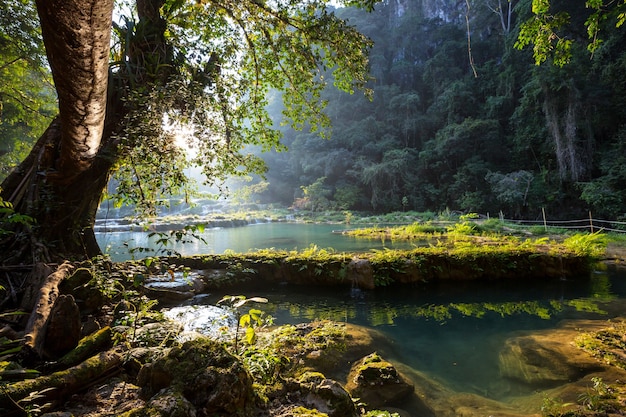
[(284, 236), (452, 331)]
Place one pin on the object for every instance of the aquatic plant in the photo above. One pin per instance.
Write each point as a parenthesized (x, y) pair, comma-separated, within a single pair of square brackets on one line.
[(464, 227), (554, 407), (595, 398)]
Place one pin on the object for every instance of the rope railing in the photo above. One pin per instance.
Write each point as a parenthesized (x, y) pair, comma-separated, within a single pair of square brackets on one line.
[(589, 224)]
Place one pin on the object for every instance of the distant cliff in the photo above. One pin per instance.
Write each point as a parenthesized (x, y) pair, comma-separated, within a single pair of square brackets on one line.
[(449, 11)]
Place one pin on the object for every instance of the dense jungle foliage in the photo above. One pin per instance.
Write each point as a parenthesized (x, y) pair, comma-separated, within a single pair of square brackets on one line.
[(461, 119), (515, 137)]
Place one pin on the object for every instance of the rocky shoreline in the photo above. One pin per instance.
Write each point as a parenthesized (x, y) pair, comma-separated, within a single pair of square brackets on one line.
[(142, 365)]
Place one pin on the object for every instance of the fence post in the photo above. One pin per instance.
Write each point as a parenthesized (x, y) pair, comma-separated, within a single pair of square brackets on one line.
[(545, 224), (590, 221)]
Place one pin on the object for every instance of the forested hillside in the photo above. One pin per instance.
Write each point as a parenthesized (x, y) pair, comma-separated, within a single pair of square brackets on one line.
[(457, 122), (500, 135)]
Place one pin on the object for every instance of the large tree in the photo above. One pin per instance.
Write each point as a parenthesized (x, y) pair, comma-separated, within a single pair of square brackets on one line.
[(207, 65)]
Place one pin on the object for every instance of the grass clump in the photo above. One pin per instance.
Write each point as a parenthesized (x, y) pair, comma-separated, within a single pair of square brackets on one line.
[(588, 244)]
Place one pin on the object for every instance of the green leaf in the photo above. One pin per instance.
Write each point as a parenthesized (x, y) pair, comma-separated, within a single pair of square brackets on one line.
[(250, 336), (244, 321)]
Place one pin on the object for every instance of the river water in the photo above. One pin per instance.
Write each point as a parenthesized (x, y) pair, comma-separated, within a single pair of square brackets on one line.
[(277, 235), (451, 332)]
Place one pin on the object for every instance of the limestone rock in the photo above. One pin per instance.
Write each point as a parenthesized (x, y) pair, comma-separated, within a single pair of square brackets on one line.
[(546, 358), (173, 287), (205, 374), (160, 333), (169, 403), (377, 382), (361, 273), (300, 411), (326, 395)]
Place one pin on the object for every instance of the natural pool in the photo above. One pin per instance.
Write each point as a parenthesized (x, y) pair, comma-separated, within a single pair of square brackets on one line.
[(285, 236), (452, 332)]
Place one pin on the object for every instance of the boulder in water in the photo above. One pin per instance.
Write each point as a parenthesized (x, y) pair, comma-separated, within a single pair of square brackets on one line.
[(547, 358), (377, 382)]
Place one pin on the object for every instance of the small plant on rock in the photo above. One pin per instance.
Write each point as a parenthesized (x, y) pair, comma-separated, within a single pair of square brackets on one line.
[(249, 321)]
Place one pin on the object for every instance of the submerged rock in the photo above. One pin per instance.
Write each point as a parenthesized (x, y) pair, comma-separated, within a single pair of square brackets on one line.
[(546, 358), (173, 287)]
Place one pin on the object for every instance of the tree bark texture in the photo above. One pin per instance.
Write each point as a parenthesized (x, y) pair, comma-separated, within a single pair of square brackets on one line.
[(77, 35), (61, 182), (34, 337), (62, 384), (64, 212)]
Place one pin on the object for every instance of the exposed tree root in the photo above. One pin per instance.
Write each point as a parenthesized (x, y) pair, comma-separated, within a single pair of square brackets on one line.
[(35, 333), (62, 384)]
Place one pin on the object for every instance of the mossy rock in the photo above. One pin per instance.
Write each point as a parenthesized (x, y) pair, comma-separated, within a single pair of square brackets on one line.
[(377, 382), (205, 374), (300, 411), (324, 395)]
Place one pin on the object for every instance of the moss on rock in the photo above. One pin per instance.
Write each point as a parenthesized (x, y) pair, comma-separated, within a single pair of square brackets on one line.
[(377, 382), (205, 374)]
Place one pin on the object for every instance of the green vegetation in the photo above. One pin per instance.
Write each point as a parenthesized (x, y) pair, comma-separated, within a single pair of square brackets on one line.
[(515, 139), (8, 216), (249, 321), (459, 235), (608, 344), (27, 96), (599, 399), (282, 352)]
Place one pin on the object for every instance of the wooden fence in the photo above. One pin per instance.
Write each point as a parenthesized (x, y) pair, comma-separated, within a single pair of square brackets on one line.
[(589, 224)]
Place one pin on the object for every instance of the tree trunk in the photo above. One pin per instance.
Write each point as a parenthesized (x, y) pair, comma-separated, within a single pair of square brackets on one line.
[(64, 213), (77, 36), (63, 383), (34, 337), (60, 183)]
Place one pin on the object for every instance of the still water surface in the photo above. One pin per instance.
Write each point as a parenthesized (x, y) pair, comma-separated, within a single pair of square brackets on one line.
[(287, 236), (452, 333)]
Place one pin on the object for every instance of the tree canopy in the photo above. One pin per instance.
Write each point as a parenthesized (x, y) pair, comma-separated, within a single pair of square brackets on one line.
[(27, 99), (517, 139), (552, 29), (202, 67)]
